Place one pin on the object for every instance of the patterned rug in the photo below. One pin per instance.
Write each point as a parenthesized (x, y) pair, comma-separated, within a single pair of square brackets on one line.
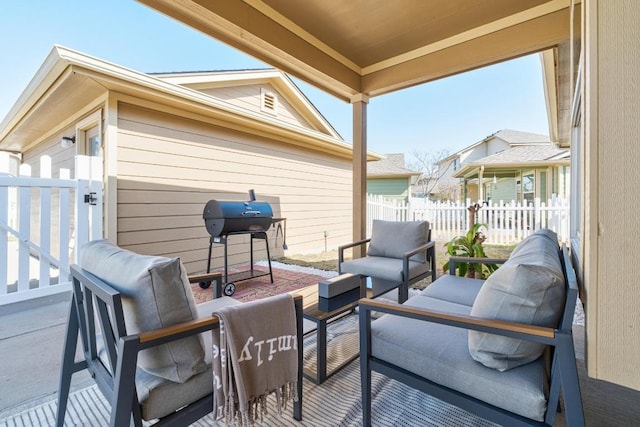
[(261, 287), (336, 402)]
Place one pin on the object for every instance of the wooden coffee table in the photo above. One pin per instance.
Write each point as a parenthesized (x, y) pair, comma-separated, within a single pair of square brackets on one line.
[(312, 310)]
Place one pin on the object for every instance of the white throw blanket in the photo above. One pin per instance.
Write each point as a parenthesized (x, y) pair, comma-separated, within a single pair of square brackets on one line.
[(255, 353)]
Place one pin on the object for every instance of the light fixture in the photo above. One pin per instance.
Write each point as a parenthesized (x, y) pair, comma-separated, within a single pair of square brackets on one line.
[(495, 180), (67, 141)]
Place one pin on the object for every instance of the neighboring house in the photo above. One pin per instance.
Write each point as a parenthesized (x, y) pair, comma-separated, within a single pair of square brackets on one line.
[(509, 165), (172, 142), (390, 178)]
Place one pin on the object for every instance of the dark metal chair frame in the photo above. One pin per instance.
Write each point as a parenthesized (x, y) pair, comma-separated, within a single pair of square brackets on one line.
[(94, 300), (563, 371)]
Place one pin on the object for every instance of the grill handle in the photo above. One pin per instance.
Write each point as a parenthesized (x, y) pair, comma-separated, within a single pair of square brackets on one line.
[(254, 213)]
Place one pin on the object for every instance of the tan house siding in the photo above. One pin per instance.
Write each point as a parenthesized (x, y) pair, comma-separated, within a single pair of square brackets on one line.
[(249, 97), (169, 167), (610, 197)]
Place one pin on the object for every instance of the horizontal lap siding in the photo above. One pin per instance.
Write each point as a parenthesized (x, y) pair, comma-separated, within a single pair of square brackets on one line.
[(169, 167)]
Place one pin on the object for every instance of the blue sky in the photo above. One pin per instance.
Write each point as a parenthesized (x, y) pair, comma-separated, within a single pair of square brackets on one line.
[(446, 114)]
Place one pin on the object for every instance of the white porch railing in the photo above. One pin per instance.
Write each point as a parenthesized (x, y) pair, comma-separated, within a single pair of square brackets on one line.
[(508, 223), (42, 220)]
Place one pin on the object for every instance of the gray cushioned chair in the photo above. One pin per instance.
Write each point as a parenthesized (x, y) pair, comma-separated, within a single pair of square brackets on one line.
[(399, 254), (144, 340)]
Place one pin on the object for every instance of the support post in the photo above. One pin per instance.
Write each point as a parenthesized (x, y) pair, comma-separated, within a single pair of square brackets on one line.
[(359, 171)]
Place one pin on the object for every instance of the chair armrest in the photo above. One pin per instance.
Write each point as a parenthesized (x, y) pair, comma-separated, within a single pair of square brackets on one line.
[(205, 277), (472, 260), (534, 333), (478, 260), (181, 330), (216, 278), (427, 247), (419, 249), (174, 332), (347, 246)]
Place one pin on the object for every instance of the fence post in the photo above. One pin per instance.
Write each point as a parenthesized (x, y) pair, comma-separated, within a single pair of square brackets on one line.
[(44, 278), (4, 221), (24, 231), (64, 242), (537, 214)]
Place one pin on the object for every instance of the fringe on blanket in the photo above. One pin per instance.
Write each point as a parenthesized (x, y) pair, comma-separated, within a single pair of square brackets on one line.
[(258, 409)]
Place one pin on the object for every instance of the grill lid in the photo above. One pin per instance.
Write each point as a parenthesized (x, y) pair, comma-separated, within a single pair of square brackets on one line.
[(224, 217)]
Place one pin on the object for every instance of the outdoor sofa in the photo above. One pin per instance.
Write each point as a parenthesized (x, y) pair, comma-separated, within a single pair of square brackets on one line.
[(500, 348)]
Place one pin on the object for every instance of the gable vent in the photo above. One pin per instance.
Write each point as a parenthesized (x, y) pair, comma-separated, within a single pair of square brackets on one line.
[(269, 102)]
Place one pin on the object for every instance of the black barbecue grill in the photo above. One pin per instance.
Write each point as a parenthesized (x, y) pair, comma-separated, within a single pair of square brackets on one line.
[(225, 218)]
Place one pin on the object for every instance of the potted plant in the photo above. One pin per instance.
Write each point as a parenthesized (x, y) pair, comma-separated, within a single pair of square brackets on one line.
[(470, 245)]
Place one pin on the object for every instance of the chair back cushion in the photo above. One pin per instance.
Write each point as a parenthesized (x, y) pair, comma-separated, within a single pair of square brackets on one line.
[(155, 293), (391, 239), (529, 288)]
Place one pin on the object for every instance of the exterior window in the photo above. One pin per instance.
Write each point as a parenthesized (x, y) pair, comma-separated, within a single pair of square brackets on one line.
[(93, 145), (528, 188), (456, 164)]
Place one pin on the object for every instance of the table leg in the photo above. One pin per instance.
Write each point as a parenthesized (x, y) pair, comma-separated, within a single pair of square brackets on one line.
[(321, 351)]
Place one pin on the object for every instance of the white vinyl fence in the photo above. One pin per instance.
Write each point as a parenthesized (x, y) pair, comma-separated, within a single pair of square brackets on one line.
[(507, 223), (42, 220)]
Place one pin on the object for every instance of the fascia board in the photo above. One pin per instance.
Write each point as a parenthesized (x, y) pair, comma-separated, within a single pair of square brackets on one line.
[(50, 70)]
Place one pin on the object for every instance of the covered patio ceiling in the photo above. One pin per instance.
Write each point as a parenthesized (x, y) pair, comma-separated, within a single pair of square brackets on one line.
[(358, 49), (372, 47)]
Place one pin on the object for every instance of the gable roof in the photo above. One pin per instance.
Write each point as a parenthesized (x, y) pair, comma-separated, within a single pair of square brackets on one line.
[(518, 157), (202, 80), (70, 82), (511, 137), (390, 167), (518, 137)]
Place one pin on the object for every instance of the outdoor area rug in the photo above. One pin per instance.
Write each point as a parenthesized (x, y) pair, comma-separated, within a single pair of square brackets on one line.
[(261, 287), (336, 402)]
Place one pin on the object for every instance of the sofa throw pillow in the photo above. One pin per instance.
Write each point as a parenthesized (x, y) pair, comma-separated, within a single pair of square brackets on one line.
[(155, 293), (529, 288), (391, 239)]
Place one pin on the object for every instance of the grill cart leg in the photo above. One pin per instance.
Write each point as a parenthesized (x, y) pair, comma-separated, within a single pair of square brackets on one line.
[(263, 236), (209, 257)]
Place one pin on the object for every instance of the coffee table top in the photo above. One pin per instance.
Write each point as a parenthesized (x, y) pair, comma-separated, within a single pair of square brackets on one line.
[(339, 303)]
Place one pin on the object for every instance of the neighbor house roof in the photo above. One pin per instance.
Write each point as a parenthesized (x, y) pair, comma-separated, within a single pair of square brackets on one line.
[(518, 157), (390, 167), (512, 137), (518, 137)]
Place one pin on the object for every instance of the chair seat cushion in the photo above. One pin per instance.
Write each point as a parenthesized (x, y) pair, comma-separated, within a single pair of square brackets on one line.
[(155, 293), (440, 353), (529, 288), (160, 397), (383, 268)]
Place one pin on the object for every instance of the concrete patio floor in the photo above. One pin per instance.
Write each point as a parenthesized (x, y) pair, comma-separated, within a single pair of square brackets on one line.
[(32, 333)]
